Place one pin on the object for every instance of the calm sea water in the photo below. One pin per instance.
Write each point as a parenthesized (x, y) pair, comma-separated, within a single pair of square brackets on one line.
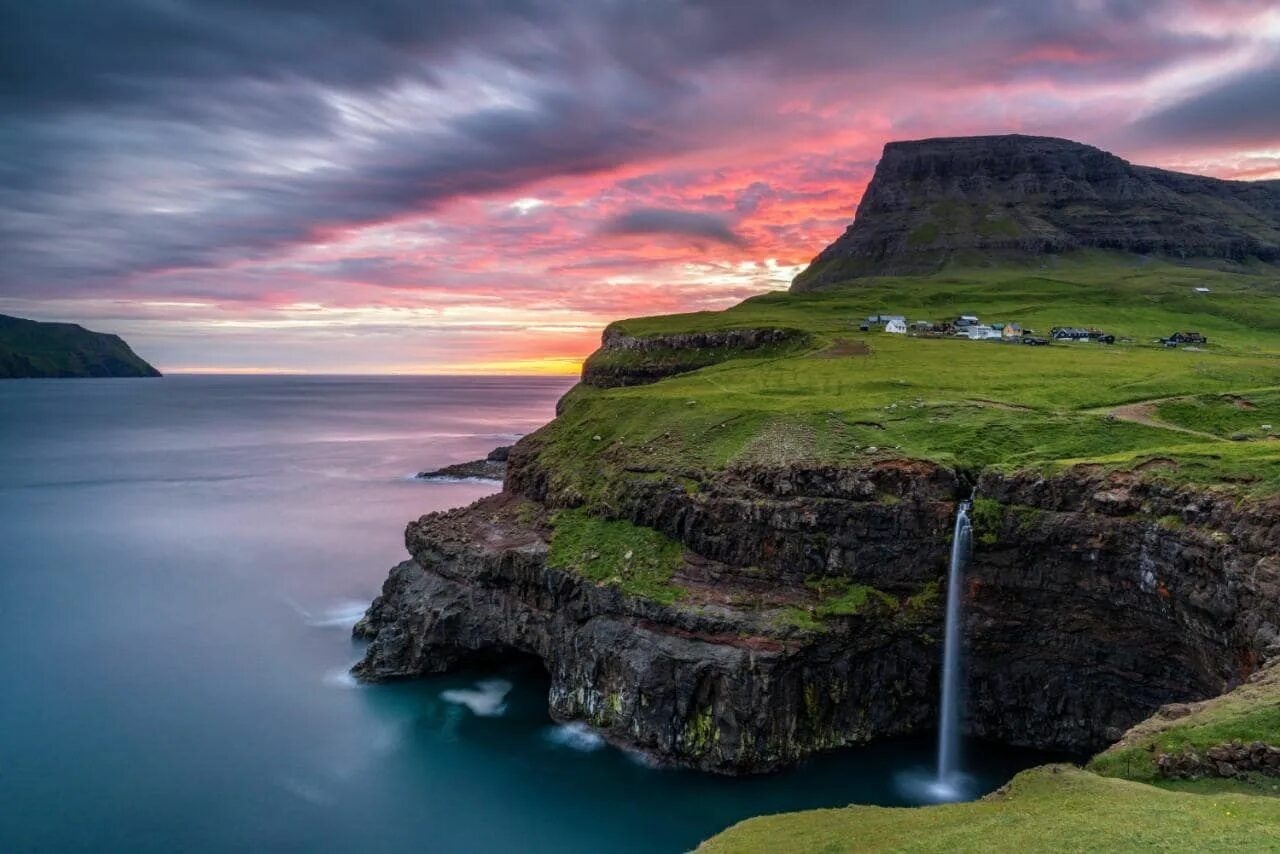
[(181, 561)]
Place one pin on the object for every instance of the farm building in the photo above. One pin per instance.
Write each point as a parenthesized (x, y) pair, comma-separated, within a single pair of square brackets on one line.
[(884, 319), (897, 326), (1187, 338), (979, 332), (1069, 333), (1012, 330)]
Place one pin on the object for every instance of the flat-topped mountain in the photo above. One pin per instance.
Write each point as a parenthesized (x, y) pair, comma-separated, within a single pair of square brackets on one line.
[(31, 349), (975, 200)]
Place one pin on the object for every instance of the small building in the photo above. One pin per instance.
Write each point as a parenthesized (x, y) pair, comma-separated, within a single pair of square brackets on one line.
[(883, 319), (967, 320), (1187, 338), (1012, 331), (979, 332), (898, 326), (1069, 333)]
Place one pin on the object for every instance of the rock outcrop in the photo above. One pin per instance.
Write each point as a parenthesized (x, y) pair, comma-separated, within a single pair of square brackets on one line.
[(492, 467), (624, 360), (975, 200), (1085, 611)]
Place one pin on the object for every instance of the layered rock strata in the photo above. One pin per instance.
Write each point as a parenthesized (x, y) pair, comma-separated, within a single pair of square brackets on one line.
[(1092, 600), (975, 200)]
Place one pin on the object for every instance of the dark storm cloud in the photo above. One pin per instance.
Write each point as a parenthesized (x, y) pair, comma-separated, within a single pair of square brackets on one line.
[(688, 224), (1241, 111), (144, 135)]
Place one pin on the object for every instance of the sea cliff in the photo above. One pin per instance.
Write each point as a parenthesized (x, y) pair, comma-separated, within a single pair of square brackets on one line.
[(728, 546)]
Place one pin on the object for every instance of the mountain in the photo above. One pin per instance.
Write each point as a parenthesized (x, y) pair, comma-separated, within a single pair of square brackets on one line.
[(983, 199), (29, 348)]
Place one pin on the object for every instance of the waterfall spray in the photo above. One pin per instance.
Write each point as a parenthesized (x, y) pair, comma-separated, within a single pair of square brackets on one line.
[(949, 715)]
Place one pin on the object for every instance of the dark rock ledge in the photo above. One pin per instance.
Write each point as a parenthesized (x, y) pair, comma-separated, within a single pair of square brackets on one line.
[(492, 467), (1084, 612)]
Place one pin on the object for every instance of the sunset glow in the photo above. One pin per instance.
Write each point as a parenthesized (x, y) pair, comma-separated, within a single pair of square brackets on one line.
[(475, 191)]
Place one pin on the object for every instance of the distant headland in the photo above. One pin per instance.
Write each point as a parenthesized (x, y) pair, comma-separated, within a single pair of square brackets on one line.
[(30, 349)]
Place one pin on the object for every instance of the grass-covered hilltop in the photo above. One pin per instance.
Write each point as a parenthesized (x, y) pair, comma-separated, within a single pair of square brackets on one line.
[(30, 349), (729, 547), (830, 392)]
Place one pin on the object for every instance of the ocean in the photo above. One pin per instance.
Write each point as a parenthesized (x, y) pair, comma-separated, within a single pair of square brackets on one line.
[(181, 562)]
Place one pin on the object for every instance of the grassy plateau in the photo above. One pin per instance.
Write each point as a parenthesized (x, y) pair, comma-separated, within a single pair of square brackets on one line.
[(832, 393), (1213, 409)]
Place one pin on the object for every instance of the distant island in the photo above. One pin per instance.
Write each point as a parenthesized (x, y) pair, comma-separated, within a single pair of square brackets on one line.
[(30, 349)]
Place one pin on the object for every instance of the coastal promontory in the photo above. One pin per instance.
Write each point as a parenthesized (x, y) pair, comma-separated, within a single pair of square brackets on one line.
[(30, 349)]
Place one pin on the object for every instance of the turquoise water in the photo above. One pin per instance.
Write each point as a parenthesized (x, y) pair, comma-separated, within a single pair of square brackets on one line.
[(181, 561)]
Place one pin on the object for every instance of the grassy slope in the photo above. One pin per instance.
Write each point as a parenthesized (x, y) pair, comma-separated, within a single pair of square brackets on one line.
[(638, 560), (980, 404), (961, 402), (1108, 807), (32, 349), (1248, 714), (1053, 808)]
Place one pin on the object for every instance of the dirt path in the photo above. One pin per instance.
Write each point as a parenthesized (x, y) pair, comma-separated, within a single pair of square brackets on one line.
[(1143, 412)]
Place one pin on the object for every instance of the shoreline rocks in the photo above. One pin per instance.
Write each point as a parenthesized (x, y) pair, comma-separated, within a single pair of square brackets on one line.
[(493, 467)]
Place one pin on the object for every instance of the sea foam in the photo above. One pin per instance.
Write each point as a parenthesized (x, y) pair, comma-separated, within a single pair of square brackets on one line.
[(488, 698), (575, 735), (344, 615)]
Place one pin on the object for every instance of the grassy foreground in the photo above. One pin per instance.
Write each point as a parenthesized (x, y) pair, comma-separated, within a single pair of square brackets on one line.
[(1210, 414), (1120, 802), (1052, 808), (1246, 715)]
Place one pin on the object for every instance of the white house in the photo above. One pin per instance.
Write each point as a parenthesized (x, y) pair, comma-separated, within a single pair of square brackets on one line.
[(896, 325), (980, 332)]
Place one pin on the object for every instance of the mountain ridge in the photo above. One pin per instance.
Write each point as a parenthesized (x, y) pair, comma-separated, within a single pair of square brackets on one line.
[(31, 349), (983, 199)]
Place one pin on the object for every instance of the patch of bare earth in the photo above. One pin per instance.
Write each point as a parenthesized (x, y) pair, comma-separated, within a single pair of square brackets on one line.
[(843, 347), (1144, 413)]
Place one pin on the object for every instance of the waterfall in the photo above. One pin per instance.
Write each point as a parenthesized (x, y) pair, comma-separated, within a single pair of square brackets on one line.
[(949, 715)]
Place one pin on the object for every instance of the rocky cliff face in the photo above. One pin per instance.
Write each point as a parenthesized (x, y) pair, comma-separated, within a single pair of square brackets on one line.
[(1092, 600), (624, 360), (978, 199)]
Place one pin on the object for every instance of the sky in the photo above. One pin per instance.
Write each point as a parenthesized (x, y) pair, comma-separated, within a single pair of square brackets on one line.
[(404, 186)]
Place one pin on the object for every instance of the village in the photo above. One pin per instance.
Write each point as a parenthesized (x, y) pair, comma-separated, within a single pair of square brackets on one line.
[(970, 327)]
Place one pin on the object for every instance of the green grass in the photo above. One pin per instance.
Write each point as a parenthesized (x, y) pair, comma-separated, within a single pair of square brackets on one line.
[(837, 597), (621, 366), (1052, 808), (639, 561), (1249, 713), (957, 402), (840, 597), (1253, 415)]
